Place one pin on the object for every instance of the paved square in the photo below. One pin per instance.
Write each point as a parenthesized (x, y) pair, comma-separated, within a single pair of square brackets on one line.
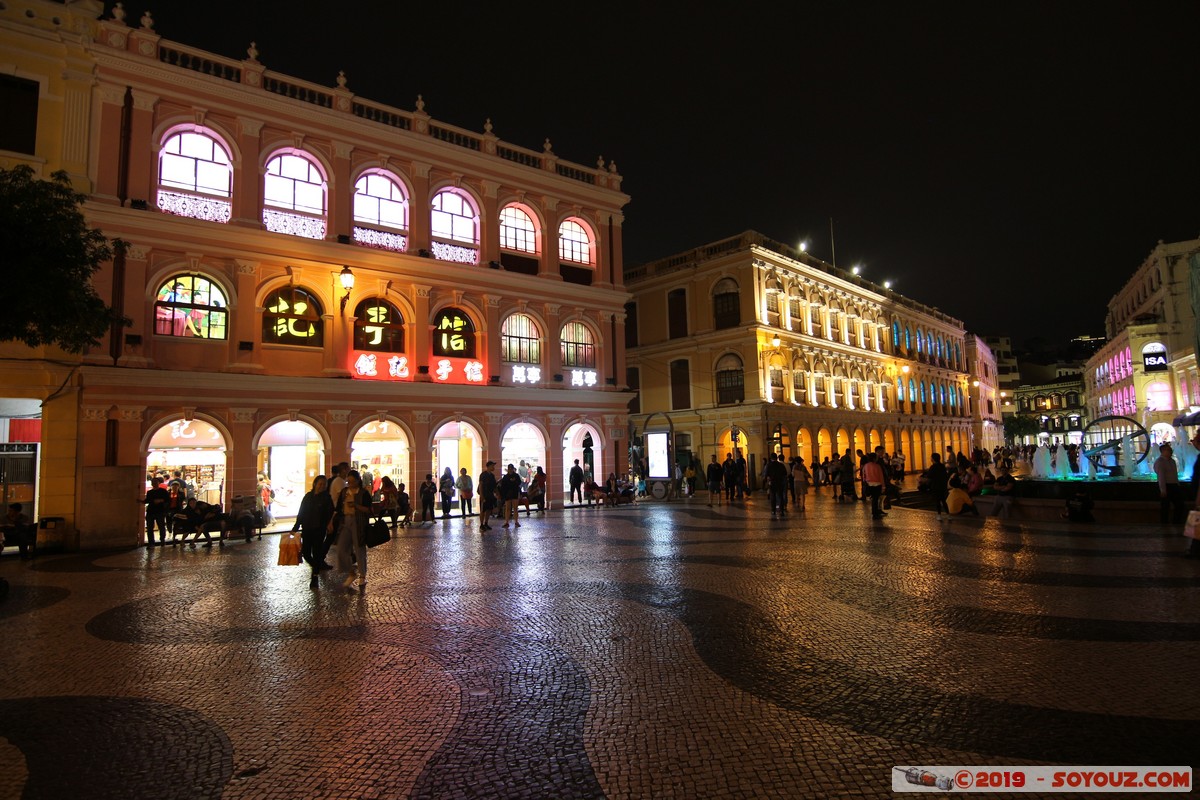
[(651, 651)]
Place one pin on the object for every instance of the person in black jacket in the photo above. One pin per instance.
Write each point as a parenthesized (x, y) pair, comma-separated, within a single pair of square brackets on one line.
[(351, 515), (510, 492), (938, 483), (314, 520)]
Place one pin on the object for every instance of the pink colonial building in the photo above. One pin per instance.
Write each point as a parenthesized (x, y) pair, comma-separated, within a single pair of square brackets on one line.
[(311, 276)]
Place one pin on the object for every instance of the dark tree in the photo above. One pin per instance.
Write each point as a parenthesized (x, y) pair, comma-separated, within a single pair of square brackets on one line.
[(50, 255), (1020, 425)]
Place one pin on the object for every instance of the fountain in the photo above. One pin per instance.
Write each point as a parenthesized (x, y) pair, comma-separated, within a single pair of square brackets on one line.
[(1062, 464), (1041, 462)]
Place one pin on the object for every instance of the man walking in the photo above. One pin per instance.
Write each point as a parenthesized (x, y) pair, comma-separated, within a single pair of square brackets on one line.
[(487, 495), (777, 476), (713, 478)]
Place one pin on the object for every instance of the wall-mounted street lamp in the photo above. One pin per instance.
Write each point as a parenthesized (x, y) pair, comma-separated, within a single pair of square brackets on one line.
[(775, 341), (347, 279)]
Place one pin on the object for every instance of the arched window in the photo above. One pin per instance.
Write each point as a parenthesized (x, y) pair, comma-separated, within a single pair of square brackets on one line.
[(293, 316), (726, 304), (381, 208), (578, 346), (378, 326), (456, 223), (912, 391), (574, 242), (517, 230), (895, 335), (294, 194), (520, 340), (730, 380), (900, 389), (453, 334), (191, 306), (907, 340), (195, 177)]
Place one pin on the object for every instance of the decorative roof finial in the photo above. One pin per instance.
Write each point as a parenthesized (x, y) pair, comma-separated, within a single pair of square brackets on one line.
[(147, 21), (487, 125), (341, 79), (252, 51), (600, 162), (546, 145), (420, 103), (118, 12)]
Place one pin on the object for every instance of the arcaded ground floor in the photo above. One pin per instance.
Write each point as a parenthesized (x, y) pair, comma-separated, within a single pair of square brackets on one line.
[(656, 650)]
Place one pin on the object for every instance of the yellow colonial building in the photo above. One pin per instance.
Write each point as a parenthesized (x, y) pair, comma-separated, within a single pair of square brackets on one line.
[(312, 276), (751, 344)]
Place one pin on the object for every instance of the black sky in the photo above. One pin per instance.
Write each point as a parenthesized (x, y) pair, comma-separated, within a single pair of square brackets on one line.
[(1011, 164)]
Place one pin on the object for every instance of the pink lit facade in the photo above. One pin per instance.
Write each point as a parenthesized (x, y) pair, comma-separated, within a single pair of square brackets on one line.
[(313, 277)]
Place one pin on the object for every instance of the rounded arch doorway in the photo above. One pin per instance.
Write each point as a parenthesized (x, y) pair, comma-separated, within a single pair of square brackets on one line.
[(524, 447), (581, 441), (381, 447), (196, 450), (457, 445), (290, 454)]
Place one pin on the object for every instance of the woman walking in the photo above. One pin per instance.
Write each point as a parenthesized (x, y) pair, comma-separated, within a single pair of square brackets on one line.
[(350, 522), (802, 477), (314, 520)]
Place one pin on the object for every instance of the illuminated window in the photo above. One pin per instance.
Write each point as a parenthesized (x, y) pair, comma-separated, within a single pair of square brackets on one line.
[(294, 197), (453, 334), (195, 177), (378, 326), (454, 218), (578, 348), (730, 380), (292, 316), (520, 340), (1158, 396), (380, 212), (799, 384), (191, 306), (574, 242), (517, 231)]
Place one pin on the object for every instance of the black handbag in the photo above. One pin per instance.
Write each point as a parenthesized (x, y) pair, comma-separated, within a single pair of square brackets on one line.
[(378, 532)]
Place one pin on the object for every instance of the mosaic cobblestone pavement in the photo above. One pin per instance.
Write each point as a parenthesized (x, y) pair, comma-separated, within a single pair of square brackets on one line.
[(657, 651)]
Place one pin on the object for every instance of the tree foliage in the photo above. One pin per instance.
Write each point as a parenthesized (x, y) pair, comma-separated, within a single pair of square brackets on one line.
[(50, 255), (1020, 425)]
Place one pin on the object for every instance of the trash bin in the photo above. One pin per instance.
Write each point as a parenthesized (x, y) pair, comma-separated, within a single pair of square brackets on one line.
[(52, 533)]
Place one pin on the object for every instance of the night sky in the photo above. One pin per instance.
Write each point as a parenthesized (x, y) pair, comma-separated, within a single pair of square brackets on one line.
[(1011, 164)]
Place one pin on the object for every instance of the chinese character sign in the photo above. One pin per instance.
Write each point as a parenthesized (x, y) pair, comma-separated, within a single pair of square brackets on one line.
[(457, 370), (379, 366), (583, 377)]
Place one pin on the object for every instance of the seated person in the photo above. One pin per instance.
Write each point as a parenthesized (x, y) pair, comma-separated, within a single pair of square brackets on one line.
[(14, 529), (1079, 506), (403, 506), (200, 518), (958, 501)]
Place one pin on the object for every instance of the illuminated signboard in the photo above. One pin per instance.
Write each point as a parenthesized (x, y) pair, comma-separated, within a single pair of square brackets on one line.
[(453, 335), (583, 377), (456, 370), (1154, 357), (522, 373), (380, 366), (656, 455)]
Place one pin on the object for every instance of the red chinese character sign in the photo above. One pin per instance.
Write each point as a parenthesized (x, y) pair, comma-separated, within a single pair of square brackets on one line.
[(456, 370), (380, 366)]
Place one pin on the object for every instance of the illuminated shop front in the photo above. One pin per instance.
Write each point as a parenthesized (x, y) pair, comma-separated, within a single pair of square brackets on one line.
[(456, 445), (290, 454), (196, 450), (524, 447), (382, 445)]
